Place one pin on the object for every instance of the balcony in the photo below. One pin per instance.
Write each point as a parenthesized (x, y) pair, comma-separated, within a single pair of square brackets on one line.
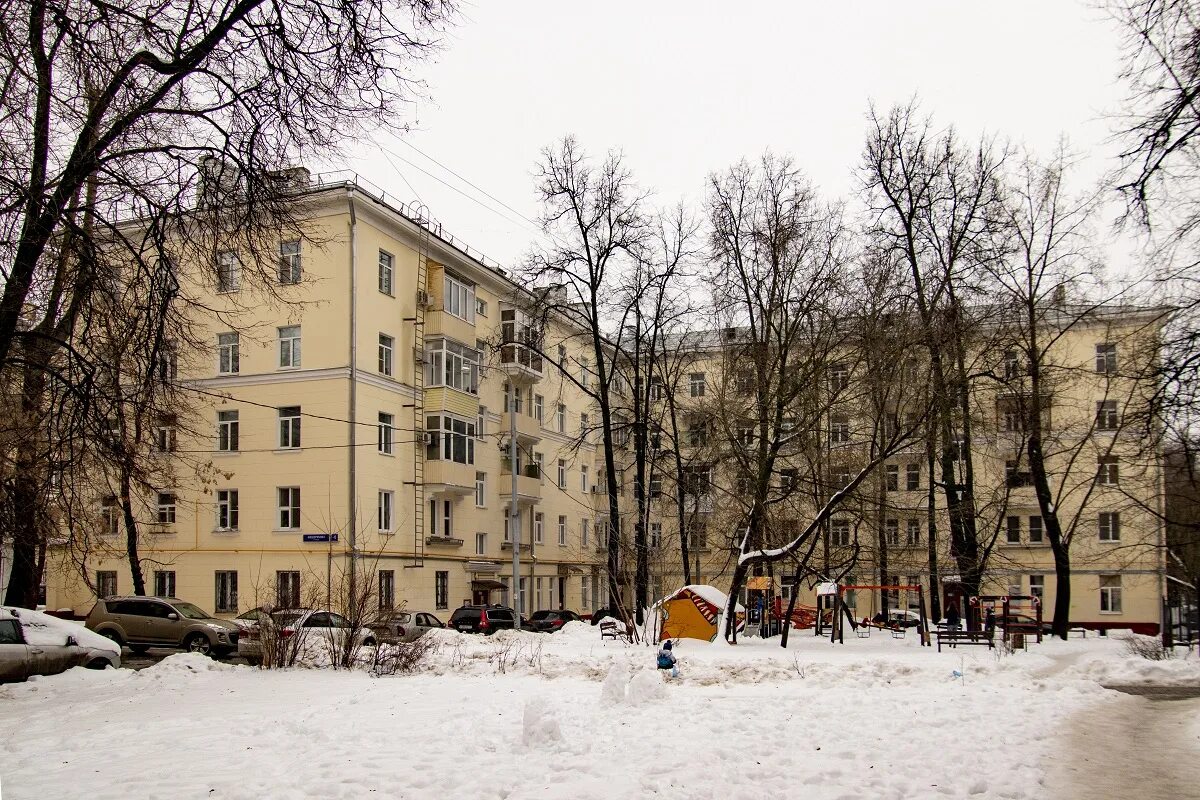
[(529, 482), (528, 428), (443, 541), (508, 546), (449, 477), (519, 361), (439, 322)]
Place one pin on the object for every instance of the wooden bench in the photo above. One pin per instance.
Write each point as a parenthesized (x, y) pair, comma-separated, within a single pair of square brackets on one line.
[(955, 638), (610, 630)]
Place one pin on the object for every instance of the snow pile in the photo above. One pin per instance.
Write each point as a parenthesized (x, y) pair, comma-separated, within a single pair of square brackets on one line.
[(645, 688), (182, 664), (1126, 668), (612, 691), (47, 631), (539, 725)]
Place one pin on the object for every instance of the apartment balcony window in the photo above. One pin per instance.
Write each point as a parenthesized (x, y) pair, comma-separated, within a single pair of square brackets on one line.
[(450, 364), (521, 341), (459, 299), (450, 439)]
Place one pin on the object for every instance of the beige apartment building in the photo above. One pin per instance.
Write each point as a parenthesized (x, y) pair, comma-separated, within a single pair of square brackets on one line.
[(1107, 482), (365, 409)]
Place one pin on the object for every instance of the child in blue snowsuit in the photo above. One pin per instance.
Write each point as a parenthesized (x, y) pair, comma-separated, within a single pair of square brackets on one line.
[(666, 659)]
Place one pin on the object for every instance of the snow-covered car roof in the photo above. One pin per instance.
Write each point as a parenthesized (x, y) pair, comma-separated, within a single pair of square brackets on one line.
[(43, 629)]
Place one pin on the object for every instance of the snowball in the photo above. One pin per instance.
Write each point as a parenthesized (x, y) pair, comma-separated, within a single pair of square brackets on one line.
[(539, 724)]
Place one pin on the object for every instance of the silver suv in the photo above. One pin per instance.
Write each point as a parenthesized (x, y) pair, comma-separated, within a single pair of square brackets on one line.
[(145, 622)]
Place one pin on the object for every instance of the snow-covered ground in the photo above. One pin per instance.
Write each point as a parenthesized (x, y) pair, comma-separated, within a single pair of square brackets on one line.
[(568, 716)]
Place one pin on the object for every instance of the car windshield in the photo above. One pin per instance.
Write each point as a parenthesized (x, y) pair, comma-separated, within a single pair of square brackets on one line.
[(286, 618), (542, 615), (190, 611), (254, 613)]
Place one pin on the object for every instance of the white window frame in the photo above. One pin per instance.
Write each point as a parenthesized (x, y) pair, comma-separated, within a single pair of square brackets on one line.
[(450, 436), (289, 427), (458, 299), (229, 272), (287, 508), (290, 262), (891, 532), (584, 533), (1108, 472), (1108, 418), (562, 473), (387, 350), (912, 533), (387, 273), (1106, 358), (1110, 595), (656, 534), (1108, 525), (539, 408), (583, 479), (839, 429), (481, 490), (562, 530), (839, 533), (697, 385), (480, 543), (112, 514), (226, 590), (560, 418), (1012, 529), (386, 510), (539, 527), (1039, 527), (289, 337), (229, 353), (452, 365), (227, 509), (228, 430), (164, 583), (386, 441), (165, 508), (1037, 586)]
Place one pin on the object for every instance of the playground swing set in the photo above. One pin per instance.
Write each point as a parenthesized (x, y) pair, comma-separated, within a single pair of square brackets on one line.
[(833, 613)]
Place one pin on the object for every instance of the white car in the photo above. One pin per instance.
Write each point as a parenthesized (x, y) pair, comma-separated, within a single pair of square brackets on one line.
[(304, 629), (33, 643)]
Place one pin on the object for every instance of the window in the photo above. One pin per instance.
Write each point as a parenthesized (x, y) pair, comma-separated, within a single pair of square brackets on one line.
[(839, 430), (787, 479), (1012, 365), (164, 435), (229, 272), (560, 418), (481, 423), (1035, 530), (698, 434), (696, 384), (1106, 358), (226, 591), (227, 509), (387, 502), (839, 378), (441, 514), (481, 307), (1108, 473), (913, 534), (912, 477), (227, 431), (1016, 476), (891, 532), (1110, 594), (166, 508), (583, 479), (562, 529), (958, 447), (111, 514), (289, 508), (697, 533), (106, 583), (289, 427), (744, 434), (387, 433), (441, 589), (167, 363), (480, 489), (585, 591), (387, 589), (562, 473), (228, 358), (1106, 415), (387, 346), (839, 533), (1110, 526), (893, 477), (584, 531), (656, 534), (512, 399), (287, 589), (584, 370), (1013, 530), (539, 407), (459, 300), (289, 346), (164, 583), (839, 477), (539, 524), (696, 480), (656, 486), (450, 439), (450, 364), (584, 425), (1013, 417), (289, 261), (655, 388), (481, 544), (1037, 586), (386, 272)]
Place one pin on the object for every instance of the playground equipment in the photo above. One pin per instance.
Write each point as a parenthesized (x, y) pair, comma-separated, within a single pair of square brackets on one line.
[(1020, 615), (831, 597)]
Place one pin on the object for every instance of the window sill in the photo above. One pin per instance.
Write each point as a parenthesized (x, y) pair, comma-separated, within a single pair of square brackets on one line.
[(389, 455), (226, 531), (278, 450), (285, 530), (228, 374), (1108, 541), (291, 368), (1112, 613)]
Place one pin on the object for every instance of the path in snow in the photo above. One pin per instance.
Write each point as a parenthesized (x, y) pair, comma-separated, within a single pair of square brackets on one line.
[(1127, 747)]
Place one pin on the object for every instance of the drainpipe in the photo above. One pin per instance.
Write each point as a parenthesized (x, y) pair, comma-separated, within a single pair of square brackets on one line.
[(352, 516), (514, 511)]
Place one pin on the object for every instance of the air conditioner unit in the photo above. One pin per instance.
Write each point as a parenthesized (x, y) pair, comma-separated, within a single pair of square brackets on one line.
[(422, 298), (426, 438)]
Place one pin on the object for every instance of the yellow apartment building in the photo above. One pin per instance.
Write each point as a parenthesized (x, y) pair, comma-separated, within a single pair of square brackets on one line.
[(362, 406)]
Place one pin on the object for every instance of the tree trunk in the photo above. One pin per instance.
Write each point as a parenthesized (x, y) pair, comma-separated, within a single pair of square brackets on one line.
[(735, 589), (679, 494), (131, 535), (935, 594)]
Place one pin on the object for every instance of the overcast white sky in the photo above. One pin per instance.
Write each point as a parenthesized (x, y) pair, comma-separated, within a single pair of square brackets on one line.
[(687, 88)]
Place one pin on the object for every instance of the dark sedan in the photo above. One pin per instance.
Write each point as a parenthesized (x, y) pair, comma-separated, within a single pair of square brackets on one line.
[(550, 621)]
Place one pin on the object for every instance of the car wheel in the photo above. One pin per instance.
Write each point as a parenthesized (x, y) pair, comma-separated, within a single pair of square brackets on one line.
[(198, 643), (139, 649), (114, 636), (253, 661), (97, 663), (369, 642)]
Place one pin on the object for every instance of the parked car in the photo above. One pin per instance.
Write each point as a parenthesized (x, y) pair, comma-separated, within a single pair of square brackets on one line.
[(145, 622), (250, 619), (34, 643), (483, 619), (903, 619), (404, 626), (1023, 622), (550, 621), (600, 613), (316, 626)]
